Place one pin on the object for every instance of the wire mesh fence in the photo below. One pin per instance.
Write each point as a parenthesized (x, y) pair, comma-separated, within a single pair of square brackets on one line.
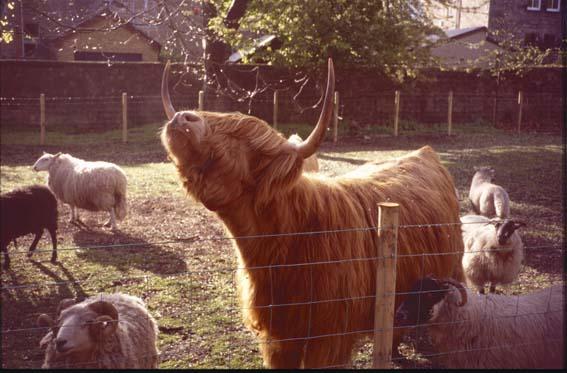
[(199, 293), (195, 300), (540, 111)]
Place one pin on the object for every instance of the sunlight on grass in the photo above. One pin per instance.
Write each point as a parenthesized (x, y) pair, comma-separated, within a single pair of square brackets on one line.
[(189, 284)]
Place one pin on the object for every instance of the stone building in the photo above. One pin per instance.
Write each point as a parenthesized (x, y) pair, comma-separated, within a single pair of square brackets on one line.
[(127, 30), (534, 22), (458, 14)]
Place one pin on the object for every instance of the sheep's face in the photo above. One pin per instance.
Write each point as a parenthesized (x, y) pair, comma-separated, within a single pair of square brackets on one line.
[(227, 160), (45, 161), (78, 329), (426, 297), (505, 229), (419, 306)]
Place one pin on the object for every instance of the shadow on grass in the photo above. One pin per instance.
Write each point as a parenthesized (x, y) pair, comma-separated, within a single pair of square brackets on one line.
[(69, 280), (125, 251)]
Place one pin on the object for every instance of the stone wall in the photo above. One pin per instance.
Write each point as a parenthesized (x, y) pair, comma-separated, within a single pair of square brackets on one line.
[(88, 94)]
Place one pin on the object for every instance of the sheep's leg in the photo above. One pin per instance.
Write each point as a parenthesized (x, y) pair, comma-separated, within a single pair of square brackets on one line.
[(35, 241), (72, 220), (492, 288), (6, 265), (52, 232), (112, 220)]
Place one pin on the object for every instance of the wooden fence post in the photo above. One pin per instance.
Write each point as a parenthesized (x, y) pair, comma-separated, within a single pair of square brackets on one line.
[(42, 119), (450, 114), (520, 107), (336, 117), (396, 113), (124, 117), (201, 100), (276, 104), (385, 284)]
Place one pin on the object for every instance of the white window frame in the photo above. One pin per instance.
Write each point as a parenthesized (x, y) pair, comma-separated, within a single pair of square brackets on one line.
[(534, 5), (549, 9)]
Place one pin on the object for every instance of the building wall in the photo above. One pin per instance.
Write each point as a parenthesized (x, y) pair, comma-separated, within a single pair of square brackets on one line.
[(121, 40), (513, 16), (464, 51), (473, 13)]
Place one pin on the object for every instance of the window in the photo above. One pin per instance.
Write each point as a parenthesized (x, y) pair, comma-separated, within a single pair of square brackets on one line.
[(553, 5), (105, 56), (549, 41), (29, 49), (534, 4), (31, 30), (531, 38)]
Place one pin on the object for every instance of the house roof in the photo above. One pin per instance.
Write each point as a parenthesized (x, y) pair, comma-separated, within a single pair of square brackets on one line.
[(457, 33), (78, 18), (460, 32)]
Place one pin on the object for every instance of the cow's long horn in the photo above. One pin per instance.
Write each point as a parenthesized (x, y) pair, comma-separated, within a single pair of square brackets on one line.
[(310, 145), (167, 105)]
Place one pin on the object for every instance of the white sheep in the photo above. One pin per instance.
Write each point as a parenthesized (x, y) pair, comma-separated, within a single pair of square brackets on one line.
[(486, 198), (93, 186), (310, 164), (494, 251), (106, 331), (487, 331)]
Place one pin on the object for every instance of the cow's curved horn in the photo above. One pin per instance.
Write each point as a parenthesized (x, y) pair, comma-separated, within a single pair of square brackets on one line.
[(310, 145), (167, 105)]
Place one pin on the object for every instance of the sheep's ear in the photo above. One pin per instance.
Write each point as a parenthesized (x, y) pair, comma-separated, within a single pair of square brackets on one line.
[(44, 321), (65, 303), (57, 155)]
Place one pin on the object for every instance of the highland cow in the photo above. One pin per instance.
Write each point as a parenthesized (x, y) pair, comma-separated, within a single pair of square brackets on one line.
[(310, 298)]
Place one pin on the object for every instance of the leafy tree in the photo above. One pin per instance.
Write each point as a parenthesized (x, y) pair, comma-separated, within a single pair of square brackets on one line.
[(388, 34)]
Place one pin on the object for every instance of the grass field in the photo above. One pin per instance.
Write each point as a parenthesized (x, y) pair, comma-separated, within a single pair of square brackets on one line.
[(179, 262)]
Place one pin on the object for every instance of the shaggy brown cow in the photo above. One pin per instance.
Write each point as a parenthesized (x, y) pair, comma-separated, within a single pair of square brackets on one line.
[(310, 297)]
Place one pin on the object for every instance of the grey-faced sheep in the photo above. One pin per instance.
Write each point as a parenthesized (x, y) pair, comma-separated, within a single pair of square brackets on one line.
[(493, 331), (27, 210), (310, 164), (93, 186), (494, 251), (106, 331), (486, 198), (251, 177)]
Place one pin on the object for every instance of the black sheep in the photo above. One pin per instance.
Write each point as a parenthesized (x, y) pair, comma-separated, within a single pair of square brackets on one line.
[(28, 210)]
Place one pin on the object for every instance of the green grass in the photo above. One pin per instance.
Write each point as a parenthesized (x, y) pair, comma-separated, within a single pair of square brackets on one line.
[(189, 286)]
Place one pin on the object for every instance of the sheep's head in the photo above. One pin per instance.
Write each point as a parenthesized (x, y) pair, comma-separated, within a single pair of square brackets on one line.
[(505, 228), (424, 297), (222, 158), (77, 330), (45, 161), (486, 173)]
